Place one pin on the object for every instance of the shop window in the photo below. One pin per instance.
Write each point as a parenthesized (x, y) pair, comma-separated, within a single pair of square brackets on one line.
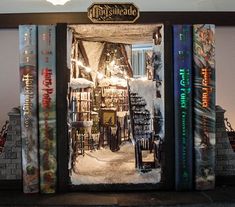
[(141, 59)]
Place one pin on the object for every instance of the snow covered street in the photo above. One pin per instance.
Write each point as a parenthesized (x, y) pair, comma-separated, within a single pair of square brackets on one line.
[(106, 167)]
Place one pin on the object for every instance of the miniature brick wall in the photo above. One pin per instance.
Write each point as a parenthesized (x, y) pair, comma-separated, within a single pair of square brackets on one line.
[(10, 158), (225, 156)]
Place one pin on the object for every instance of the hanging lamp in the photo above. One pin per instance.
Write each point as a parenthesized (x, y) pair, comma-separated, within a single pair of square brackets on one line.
[(58, 2)]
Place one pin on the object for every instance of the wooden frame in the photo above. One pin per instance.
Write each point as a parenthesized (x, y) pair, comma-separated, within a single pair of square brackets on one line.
[(217, 18), (108, 117), (62, 19)]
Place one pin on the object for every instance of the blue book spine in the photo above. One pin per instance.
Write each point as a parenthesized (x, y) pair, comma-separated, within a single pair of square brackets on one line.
[(182, 58), (47, 107), (204, 105), (28, 106)]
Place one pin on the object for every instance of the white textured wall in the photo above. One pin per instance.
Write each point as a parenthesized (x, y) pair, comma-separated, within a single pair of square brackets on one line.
[(27, 6), (9, 73), (225, 70)]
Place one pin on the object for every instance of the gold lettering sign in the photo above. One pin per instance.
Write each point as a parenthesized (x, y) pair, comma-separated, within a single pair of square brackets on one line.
[(113, 13)]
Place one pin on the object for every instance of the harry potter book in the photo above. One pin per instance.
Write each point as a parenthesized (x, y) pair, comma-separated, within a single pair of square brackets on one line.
[(204, 105), (28, 106), (183, 106), (47, 107)]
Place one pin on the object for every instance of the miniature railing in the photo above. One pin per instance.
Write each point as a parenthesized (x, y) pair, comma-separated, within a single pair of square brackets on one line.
[(3, 136), (231, 133)]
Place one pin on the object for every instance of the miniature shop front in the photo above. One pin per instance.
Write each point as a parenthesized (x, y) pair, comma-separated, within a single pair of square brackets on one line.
[(115, 104)]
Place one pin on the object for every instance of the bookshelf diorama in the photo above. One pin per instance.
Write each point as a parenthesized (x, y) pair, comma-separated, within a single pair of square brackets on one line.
[(115, 117), (115, 128)]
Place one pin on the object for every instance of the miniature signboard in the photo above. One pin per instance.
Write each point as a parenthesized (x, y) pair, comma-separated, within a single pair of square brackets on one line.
[(113, 12)]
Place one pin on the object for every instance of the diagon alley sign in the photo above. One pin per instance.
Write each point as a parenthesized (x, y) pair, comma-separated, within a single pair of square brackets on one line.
[(113, 12)]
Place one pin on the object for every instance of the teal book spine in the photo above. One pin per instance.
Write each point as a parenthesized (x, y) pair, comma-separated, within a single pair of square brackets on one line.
[(182, 58)]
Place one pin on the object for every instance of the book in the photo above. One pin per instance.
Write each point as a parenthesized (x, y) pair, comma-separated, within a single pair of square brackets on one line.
[(28, 107), (204, 105), (182, 57), (47, 107)]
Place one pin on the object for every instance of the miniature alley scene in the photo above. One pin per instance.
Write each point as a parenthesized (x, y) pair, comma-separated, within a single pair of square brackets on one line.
[(115, 103)]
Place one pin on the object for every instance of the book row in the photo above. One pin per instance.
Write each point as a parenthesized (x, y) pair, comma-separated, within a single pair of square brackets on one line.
[(194, 92), (37, 102), (116, 120)]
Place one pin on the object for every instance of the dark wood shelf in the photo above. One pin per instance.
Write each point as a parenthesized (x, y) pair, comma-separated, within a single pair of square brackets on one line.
[(221, 196)]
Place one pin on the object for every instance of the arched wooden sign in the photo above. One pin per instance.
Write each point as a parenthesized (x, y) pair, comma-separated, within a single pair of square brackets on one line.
[(113, 12)]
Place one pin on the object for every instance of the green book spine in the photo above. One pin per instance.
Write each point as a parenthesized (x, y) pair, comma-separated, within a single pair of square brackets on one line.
[(182, 55)]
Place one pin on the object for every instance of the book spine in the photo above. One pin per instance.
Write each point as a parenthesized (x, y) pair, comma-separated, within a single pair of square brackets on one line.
[(28, 106), (182, 57), (47, 107), (204, 105)]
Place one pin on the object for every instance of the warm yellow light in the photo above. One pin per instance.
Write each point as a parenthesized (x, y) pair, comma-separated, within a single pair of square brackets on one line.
[(58, 2), (114, 80), (100, 75), (88, 70), (144, 78), (79, 63), (112, 63)]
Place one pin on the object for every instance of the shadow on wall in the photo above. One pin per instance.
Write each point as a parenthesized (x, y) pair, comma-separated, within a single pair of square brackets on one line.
[(9, 72), (225, 72)]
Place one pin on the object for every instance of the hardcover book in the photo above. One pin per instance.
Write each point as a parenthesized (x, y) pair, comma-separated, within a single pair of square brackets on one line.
[(28, 106), (47, 107), (204, 105), (183, 106)]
